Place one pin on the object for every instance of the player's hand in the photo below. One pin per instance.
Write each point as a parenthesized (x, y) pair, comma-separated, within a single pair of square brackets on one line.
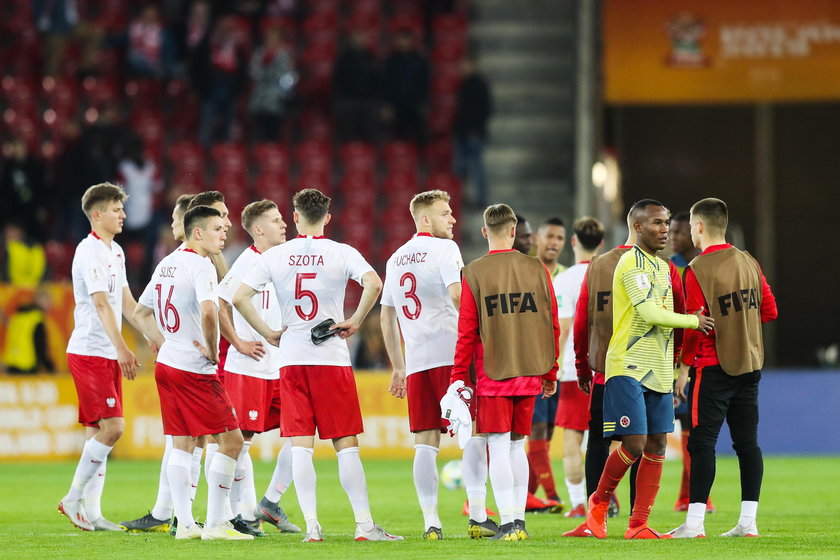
[(346, 329), (680, 385), (252, 348), (549, 388), (397, 387), (274, 338), (707, 324), (585, 381), (128, 363), (213, 359)]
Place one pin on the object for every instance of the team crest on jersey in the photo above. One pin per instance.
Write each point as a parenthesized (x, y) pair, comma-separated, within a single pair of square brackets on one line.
[(252, 414), (624, 421), (643, 282), (111, 402)]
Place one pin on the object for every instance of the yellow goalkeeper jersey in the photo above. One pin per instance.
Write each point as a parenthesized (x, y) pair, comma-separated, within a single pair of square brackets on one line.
[(638, 349)]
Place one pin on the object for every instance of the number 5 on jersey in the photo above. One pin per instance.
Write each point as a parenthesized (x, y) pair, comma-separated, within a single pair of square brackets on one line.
[(300, 293)]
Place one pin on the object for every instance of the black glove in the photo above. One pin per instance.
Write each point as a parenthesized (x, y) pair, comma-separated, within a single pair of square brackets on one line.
[(321, 332)]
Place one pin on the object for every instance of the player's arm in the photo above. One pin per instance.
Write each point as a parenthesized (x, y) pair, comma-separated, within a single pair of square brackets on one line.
[(581, 338), (371, 286), (679, 304), (769, 311), (128, 362), (468, 335), (144, 319), (129, 305), (252, 348), (636, 283), (210, 330), (549, 380), (242, 301), (391, 336), (455, 294)]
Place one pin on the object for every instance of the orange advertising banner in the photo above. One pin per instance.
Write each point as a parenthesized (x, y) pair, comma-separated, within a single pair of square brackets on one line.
[(711, 51)]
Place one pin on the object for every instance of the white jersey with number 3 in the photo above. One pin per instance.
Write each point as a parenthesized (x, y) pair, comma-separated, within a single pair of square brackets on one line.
[(180, 283), (265, 302), (417, 279), (567, 289), (310, 277), (96, 268)]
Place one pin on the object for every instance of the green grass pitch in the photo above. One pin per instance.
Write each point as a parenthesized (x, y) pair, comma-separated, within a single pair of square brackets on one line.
[(799, 517)]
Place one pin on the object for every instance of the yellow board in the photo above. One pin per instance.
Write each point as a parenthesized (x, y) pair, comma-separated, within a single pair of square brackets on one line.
[(705, 51)]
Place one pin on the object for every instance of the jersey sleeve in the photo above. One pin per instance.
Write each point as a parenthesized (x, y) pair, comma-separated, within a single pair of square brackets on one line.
[(229, 285), (94, 272), (580, 336), (258, 276), (468, 335), (356, 265), (451, 264), (637, 284), (387, 297), (566, 300), (206, 288)]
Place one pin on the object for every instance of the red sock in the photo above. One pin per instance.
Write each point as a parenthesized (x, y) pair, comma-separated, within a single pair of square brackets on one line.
[(647, 486), (540, 463), (686, 461), (616, 466)]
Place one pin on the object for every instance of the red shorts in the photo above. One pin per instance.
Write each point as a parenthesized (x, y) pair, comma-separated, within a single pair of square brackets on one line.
[(424, 390), (572, 408), (322, 397), (256, 401), (99, 387), (193, 404), (499, 415)]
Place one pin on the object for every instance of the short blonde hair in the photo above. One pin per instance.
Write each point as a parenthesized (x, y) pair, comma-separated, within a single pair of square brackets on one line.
[(425, 199), (254, 210), (499, 216), (102, 193)]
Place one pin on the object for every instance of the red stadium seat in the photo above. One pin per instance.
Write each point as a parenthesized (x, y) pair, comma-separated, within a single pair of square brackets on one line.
[(59, 258), (229, 158), (272, 187), (446, 80), (61, 95), (400, 156), (448, 25), (442, 114), (439, 155), (357, 157), (149, 127), (271, 158), (99, 92), (314, 155), (20, 93), (187, 159)]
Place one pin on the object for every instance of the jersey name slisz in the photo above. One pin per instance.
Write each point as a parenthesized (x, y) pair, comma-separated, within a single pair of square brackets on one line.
[(410, 258), (515, 302), (306, 260), (167, 272), (738, 301)]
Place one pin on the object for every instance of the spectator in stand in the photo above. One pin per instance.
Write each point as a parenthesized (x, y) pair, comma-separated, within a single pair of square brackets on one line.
[(406, 89), (23, 260), (188, 41), (22, 189), (140, 178), (274, 80), (357, 83), (26, 336), (145, 43), (475, 105), (59, 21), (220, 75)]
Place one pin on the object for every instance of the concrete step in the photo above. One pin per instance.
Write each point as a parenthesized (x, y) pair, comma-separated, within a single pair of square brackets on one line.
[(543, 10), (498, 37), (545, 126)]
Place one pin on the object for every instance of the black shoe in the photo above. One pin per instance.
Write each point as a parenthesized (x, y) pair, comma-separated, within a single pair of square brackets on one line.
[(480, 530), (519, 529), (507, 532), (433, 534), (146, 524), (247, 527)]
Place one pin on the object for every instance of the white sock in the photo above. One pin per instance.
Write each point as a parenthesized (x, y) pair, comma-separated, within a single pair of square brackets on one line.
[(282, 477), (195, 470), (243, 478), (748, 513), (695, 516), (93, 494), (501, 476), (303, 472), (218, 489), (178, 473), (248, 500), (352, 477), (426, 483), (94, 454), (577, 492), (519, 466), (474, 472), (163, 505), (210, 450)]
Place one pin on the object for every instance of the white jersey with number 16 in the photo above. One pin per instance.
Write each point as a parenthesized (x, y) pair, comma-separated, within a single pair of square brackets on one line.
[(180, 283), (310, 277), (417, 279)]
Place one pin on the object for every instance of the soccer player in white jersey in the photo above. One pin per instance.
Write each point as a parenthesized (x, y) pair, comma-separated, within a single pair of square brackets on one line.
[(317, 386), (97, 353), (157, 520), (420, 299), (573, 405), (182, 301), (254, 386)]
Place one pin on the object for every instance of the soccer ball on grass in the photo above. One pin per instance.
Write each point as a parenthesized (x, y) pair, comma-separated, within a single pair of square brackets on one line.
[(450, 475)]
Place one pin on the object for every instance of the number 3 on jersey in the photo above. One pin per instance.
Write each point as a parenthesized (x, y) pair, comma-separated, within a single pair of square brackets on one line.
[(409, 278), (167, 311), (300, 293)]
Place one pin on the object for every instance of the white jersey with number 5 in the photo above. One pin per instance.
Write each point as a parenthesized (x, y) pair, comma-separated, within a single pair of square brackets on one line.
[(180, 283), (417, 279), (265, 302), (96, 268), (567, 289), (310, 276)]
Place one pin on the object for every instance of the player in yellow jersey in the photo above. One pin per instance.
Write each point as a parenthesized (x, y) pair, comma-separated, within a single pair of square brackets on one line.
[(638, 400)]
